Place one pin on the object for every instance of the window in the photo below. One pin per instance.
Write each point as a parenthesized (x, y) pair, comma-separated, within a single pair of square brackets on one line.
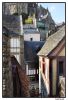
[(15, 42), (18, 42), (15, 45), (31, 72), (11, 42), (60, 67), (43, 65), (4, 87), (31, 39), (15, 50)]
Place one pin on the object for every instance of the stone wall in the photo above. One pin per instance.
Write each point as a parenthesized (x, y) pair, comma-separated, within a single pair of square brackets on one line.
[(11, 8), (7, 83)]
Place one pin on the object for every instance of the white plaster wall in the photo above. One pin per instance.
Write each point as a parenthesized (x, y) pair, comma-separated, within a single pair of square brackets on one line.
[(40, 59), (36, 37), (46, 76), (15, 42)]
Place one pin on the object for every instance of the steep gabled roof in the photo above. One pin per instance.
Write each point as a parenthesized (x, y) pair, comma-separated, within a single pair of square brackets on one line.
[(52, 42), (23, 78)]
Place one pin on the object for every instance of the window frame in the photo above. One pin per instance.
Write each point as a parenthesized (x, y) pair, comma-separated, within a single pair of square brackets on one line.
[(61, 58)]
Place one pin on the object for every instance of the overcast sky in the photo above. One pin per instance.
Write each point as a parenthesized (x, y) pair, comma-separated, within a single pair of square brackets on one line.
[(57, 11)]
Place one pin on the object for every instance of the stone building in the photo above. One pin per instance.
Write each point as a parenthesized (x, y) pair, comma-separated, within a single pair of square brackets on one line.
[(52, 65), (14, 25), (30, 30), (14, 8), (7, 84), (14, 49), (31, 34)]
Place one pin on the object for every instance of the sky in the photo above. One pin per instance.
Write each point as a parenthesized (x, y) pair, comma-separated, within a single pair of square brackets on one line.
[(57, 11)]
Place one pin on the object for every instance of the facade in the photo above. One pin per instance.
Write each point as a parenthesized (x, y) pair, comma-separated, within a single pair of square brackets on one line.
[(17, 48), (13, 83), (7, 85), (13, 47), (52, 65), (16, 85), (14, 25), (31, 34)]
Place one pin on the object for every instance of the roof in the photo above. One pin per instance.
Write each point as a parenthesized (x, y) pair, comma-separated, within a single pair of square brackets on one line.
[(23, 78), (28, 26), (52, 42), (30, 50), (5, 31), (12, 23), (31, 31)]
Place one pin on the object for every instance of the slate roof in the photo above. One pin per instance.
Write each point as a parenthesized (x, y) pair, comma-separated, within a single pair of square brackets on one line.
[(5, 31), (52, 42), (31, 31), (12, 23), (30, 49)]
